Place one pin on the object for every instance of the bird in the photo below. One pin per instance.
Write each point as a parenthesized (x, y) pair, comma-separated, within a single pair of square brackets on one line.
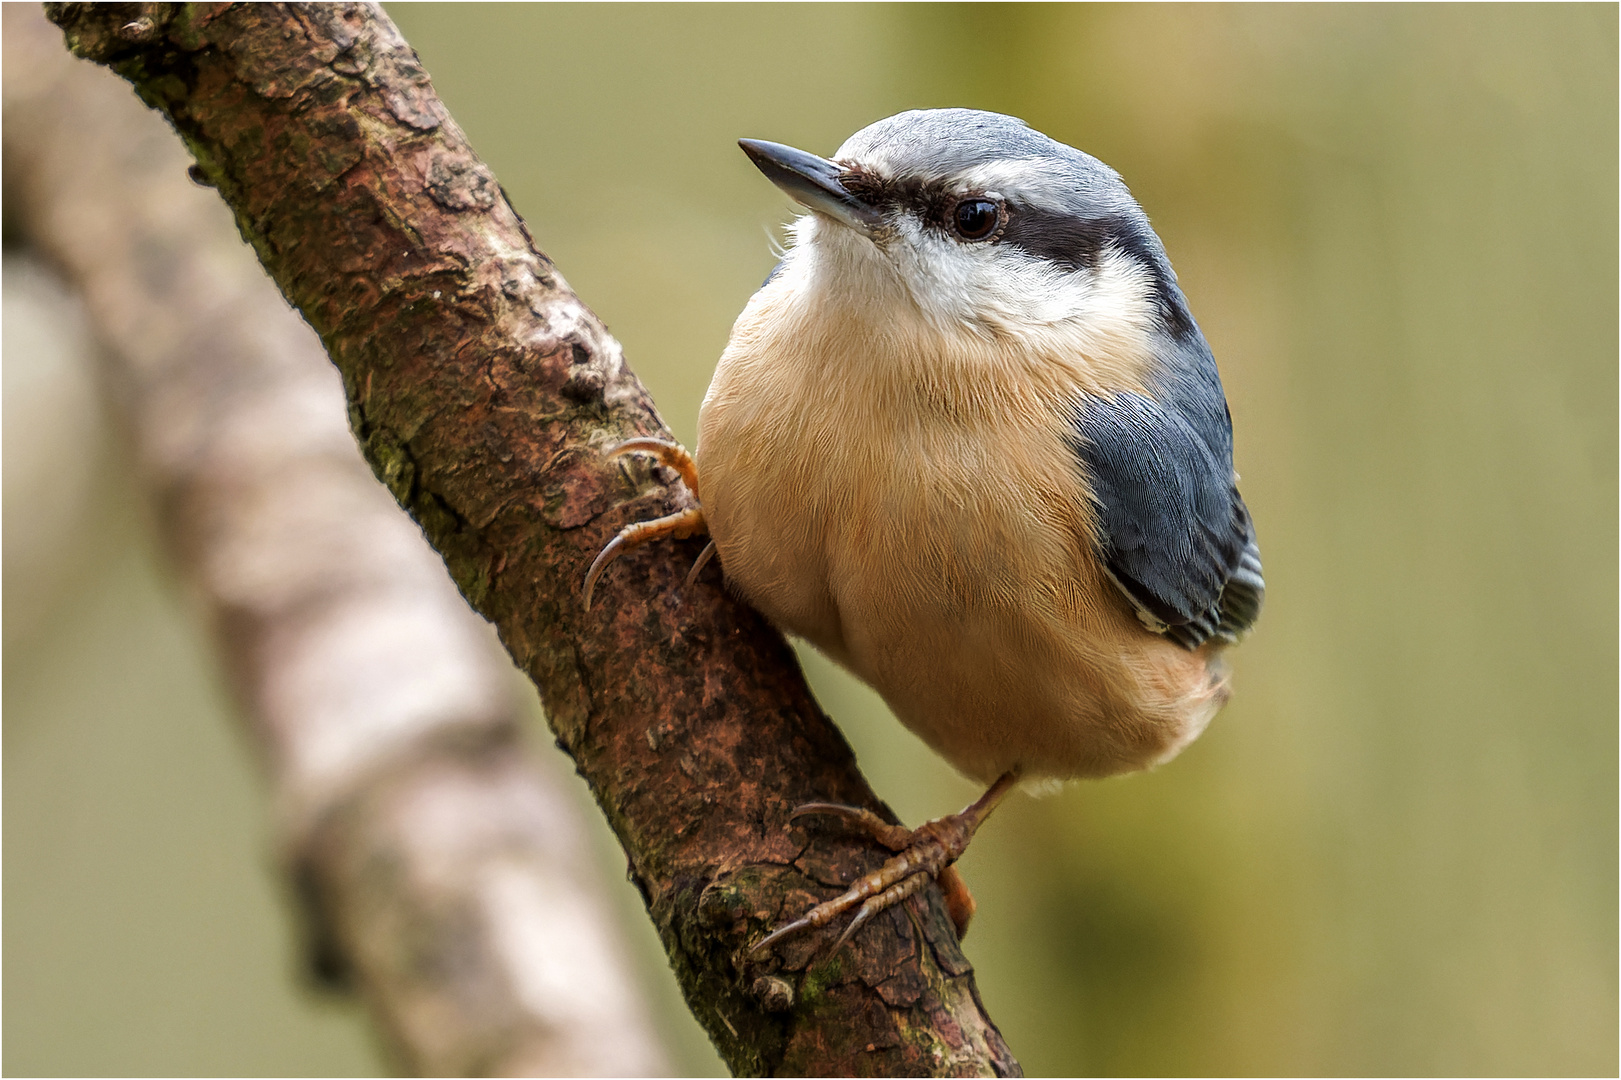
[(970, 443)]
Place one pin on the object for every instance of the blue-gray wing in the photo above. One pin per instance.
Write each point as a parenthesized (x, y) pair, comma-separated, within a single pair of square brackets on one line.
[(1175, 535)]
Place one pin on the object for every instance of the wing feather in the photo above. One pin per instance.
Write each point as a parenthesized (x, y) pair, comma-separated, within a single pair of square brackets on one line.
[(1176, 536)]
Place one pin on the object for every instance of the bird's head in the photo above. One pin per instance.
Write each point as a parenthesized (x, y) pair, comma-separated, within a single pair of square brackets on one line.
[(979, 223)]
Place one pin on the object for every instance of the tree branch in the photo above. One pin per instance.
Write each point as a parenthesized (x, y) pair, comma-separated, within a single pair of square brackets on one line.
[(383, 708), (482, 392)]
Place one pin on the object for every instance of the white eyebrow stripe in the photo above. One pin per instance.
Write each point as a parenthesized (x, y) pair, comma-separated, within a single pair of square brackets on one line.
[(1033, 182)]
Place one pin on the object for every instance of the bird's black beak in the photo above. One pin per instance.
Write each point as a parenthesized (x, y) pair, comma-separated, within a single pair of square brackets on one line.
[(811, 181)]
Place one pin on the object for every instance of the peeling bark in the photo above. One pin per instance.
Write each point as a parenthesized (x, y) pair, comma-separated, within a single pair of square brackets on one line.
[(483, 392)]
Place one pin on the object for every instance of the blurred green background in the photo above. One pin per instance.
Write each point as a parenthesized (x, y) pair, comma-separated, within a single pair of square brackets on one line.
[(1395, 852)]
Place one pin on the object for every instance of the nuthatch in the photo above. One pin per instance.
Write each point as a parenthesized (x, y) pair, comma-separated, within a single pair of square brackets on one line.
[(969, 442)]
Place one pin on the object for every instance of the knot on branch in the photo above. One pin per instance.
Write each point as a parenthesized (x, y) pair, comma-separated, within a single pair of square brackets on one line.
[(460, 183)]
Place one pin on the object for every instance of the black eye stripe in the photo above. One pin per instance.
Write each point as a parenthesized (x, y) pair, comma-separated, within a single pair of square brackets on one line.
[(933, 203), (1079, 243), (1069, 241), (1066, 240)]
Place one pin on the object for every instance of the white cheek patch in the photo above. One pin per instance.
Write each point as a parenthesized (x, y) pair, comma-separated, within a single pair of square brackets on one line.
[(1099, 317), (1094, 322), (996, 287), (828, 262)]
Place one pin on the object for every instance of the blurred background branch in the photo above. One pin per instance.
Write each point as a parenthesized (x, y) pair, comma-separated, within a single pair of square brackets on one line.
[(442, 873)]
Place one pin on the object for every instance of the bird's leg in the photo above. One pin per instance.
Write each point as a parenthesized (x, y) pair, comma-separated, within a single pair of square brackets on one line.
[(959, 901), (922, 853), (676, 526)]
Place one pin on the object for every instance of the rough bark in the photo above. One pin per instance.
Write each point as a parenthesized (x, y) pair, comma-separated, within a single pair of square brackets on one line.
[(483, 392), (447, 876)]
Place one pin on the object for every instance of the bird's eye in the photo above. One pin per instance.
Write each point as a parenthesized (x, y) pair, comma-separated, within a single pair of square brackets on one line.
[(975, 219)]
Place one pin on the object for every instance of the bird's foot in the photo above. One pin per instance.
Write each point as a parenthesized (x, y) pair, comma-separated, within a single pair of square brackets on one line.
[(928, 851), (676, 526)]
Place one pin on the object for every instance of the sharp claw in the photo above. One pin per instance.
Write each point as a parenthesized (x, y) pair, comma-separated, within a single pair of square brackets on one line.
[(922, 854), (671, 455), (703, 561), (680, 524), (604, 557), (867, 911), (894, 837), (640, 445), (779, 933), (895, 894), (806, 809)]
